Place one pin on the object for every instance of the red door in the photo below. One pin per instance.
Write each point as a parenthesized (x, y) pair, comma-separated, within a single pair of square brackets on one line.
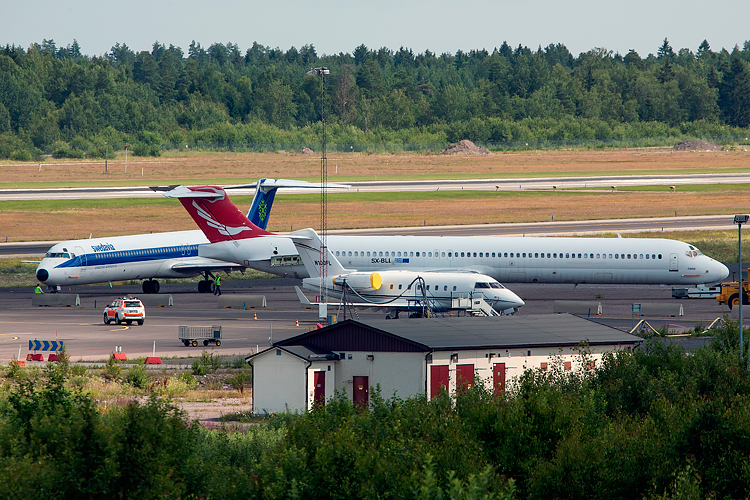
[(438, 379), (498, 377), (319, 395), (361, 393), (464, 377)]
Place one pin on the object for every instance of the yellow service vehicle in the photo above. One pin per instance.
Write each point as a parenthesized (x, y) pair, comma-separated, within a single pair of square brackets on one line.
[(730, 292)]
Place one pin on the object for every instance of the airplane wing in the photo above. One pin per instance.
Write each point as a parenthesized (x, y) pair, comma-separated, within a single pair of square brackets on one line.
[(204, 264)]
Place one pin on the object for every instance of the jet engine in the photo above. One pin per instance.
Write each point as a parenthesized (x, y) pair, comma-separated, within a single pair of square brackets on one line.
[(360, 281)]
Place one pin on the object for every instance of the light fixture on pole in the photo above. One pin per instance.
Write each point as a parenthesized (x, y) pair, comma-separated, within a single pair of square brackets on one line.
[(323, 263), (739, 220)]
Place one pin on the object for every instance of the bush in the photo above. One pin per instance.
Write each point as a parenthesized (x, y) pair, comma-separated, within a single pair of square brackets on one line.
[(238, 380), (189, 380), (207, 363), (143, 149), (137, 376), (20, 155)]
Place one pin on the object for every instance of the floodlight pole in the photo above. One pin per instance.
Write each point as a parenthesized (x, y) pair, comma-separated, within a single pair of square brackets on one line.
[(323, 264), (739, 220)]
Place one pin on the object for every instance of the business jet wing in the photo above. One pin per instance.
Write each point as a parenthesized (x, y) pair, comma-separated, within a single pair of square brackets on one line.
[(400, 304)]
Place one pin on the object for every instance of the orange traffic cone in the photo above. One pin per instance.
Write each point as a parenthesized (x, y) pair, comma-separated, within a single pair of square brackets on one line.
[(296, 323), (255, 315)]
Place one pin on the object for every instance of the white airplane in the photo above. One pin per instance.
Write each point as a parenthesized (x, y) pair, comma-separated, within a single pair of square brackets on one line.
[(400, 290), (504, 258), (165, 255)]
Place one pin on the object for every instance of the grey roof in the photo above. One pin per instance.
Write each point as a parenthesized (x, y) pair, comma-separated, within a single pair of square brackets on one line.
[(303, 352), (469, 333)]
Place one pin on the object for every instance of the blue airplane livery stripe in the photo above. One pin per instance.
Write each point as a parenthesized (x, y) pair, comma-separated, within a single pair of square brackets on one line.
[(131, 256)]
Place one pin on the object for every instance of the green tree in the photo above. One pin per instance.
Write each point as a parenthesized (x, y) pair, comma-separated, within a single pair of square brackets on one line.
[(280, 105), (735, 94)]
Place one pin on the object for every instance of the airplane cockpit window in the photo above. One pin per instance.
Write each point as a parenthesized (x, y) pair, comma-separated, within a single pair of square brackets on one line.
[(495, 284), (691, 253), (481, 285), (57, 255)]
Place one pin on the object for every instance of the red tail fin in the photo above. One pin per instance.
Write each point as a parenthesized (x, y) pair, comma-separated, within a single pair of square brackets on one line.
[(215, 214)]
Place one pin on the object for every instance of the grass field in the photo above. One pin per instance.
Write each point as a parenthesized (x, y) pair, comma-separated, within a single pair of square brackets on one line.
[(63, 219)]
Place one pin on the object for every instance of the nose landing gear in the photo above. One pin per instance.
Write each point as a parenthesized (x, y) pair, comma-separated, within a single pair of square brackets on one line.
[(150, 286)]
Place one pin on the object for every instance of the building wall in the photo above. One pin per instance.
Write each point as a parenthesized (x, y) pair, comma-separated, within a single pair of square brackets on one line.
[(278, 382), (396, 372), (516, 362)]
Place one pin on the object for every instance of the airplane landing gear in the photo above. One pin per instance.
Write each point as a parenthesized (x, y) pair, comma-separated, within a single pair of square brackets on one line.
[(150, 286), (206, 285)]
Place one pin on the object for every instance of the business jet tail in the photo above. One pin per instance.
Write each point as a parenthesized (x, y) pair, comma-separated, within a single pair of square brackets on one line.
[(309, 246)]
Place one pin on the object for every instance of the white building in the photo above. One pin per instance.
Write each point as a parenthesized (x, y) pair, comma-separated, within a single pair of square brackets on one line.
[(408, 357)]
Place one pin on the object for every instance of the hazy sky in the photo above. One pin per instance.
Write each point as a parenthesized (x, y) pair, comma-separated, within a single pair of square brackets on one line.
[(334, 26)]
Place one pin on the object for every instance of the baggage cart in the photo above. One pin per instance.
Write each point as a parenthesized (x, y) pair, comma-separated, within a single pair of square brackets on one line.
[(190, 335)]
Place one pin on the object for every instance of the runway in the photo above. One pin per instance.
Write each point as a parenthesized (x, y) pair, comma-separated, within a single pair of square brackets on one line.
[(516, 184), (87, 338)]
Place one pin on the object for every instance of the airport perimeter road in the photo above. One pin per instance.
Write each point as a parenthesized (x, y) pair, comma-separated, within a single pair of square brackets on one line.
[(562, 228), (529, 183), (86, 337)]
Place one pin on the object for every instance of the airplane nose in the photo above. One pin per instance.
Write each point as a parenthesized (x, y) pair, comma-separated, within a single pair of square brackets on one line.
[(42, 275), (723, 271), (512, 299)]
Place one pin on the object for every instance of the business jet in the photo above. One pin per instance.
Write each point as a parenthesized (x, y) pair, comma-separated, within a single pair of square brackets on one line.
[(165, 255), (399, 290), (507, 259)]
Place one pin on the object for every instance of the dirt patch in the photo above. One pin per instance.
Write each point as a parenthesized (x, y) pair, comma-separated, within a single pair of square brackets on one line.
[(697, 146), (213, 410), (465, 147)]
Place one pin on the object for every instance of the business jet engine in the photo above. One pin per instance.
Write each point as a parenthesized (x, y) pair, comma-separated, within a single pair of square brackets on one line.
[(360, 281)]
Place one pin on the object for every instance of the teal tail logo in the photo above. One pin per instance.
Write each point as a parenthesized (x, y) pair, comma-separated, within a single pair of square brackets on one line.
[(262, 210)]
